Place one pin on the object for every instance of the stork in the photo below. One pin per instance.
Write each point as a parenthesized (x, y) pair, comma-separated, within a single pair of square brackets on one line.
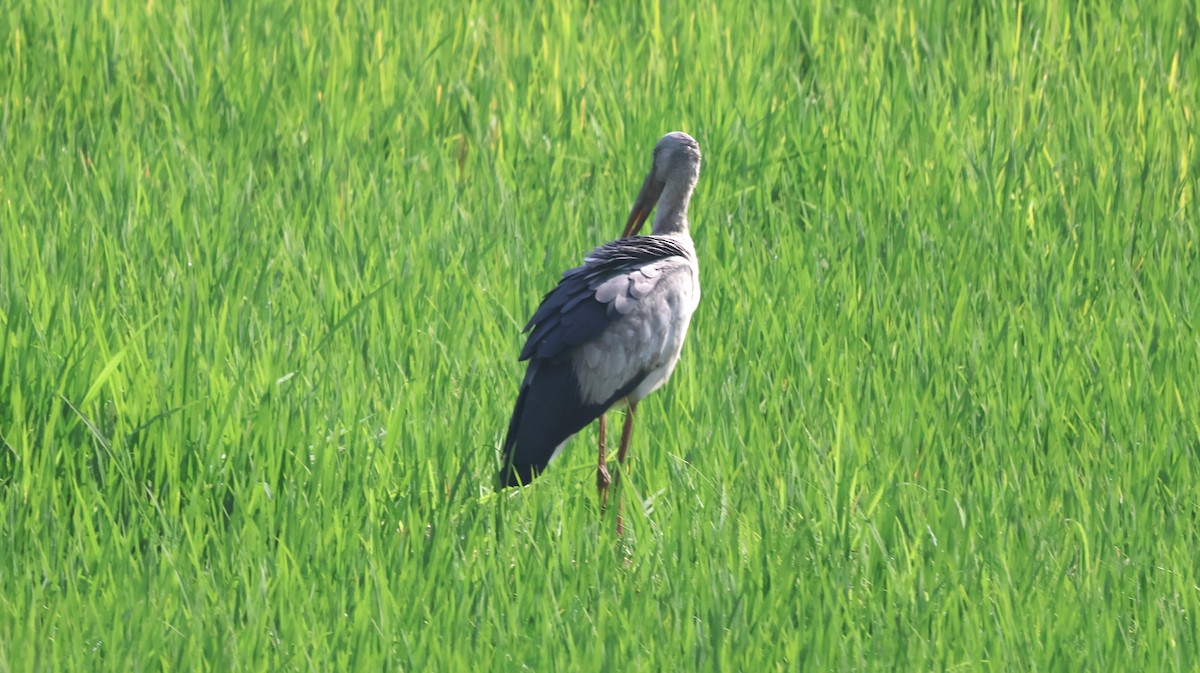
[(611, 332)]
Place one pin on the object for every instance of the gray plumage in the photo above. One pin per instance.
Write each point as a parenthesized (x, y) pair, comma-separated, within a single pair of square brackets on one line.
[(612, 330)]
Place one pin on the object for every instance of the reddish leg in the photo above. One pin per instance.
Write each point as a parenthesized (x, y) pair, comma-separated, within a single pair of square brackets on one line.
[(603, 478), (626, 433)]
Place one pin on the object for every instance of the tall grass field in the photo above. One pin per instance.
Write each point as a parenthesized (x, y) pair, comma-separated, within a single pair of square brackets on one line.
[(264, 268)]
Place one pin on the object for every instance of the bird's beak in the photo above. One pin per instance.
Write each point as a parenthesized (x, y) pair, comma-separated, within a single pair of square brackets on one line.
[(646, 200)]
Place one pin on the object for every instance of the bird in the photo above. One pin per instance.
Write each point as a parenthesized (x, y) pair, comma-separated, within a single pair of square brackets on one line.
[(611, 332)]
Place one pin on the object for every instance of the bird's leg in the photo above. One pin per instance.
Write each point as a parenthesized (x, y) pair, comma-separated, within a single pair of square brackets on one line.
[(603, 478), (626, 433)]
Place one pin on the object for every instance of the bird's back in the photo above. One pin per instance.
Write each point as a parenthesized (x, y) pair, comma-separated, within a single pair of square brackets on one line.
[(612, 329)]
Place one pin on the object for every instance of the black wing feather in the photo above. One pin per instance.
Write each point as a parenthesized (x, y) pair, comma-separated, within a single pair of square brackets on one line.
[(549, 410)]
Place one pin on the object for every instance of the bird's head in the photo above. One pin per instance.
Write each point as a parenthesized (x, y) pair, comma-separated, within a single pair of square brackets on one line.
[(676, 162)]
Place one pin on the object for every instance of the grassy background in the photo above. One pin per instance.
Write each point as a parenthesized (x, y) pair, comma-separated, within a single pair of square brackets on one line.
[(263, 268)]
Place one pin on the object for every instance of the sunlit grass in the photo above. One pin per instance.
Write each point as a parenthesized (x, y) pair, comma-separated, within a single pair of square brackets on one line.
[(263, 269)]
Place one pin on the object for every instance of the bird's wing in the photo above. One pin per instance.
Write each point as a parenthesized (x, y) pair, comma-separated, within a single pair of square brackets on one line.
[(605, 288), (585, 309)]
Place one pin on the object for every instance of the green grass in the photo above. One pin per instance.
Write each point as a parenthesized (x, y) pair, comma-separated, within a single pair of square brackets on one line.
[(263, 268)]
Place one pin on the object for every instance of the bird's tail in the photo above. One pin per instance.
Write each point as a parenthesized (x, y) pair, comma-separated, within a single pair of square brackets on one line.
[(521, 461), (514, 472), (549, 410)]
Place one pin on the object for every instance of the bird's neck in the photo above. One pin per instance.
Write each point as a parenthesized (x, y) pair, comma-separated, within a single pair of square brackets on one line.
[(670, 215)]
